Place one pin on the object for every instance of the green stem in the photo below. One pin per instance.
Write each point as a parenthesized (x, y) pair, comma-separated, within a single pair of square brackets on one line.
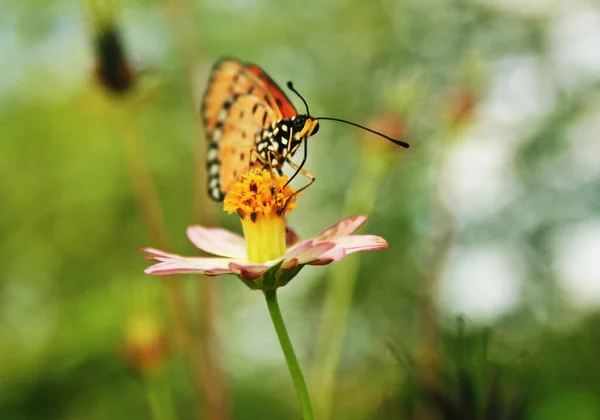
[(332, 331), (159, 399), (151, 210), (290, 356), (340, 289)]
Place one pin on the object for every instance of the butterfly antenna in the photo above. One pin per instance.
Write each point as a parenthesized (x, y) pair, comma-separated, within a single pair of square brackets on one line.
[(398, 142), (291, 87)]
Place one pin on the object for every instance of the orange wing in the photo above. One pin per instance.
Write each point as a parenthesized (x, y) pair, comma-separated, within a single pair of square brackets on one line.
[(283, 102), (242, 130), (240, 102), (231, 78)]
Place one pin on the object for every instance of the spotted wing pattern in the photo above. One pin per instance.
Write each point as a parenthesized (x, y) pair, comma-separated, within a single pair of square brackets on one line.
[(241, 102), (242, 130), (281, 100)]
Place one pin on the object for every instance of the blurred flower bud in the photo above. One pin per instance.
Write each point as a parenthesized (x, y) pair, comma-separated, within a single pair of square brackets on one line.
[(376, 157), (145, 343), (113, 70), (389, 124), (461, 107)]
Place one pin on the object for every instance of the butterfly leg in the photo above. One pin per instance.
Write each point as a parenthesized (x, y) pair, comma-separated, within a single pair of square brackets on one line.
[(251, 161), (266, 163), (304, 172), (296, 168), (273, 156), (303, 159)]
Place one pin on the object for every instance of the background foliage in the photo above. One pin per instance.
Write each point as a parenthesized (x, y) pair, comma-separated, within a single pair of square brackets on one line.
[(492, 213)]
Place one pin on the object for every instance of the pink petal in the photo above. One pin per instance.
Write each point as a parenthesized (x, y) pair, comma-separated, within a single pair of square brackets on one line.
[(298, 249), (334, 254), (289, 264), (217, 241), (323, 261), (351, 244), (313, 253), (249, 271), (158, 255), (291, 238), (360, 243), (342, 228), (212, 266)]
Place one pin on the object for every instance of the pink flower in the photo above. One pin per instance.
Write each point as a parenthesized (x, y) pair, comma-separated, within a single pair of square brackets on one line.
[(231, 254)]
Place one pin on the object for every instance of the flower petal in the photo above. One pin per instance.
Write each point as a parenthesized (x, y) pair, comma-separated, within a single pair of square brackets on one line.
[(249, 271), (291, 238), (289, 264), (181, 265), (360, 243), (158, 255), (310, 253), (323, 261), (217, 241), (351, 244), (342, 228), (298, 249), (334, 254)]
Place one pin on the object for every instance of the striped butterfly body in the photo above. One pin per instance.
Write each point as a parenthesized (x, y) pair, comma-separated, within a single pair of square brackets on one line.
[(249, 123)]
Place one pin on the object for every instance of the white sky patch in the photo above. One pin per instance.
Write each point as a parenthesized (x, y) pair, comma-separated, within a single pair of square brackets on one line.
[(574, 40), (519, 93), (63, 57), (527, 8), (576, 250), (145, 36), (481, 283), (477, 177)]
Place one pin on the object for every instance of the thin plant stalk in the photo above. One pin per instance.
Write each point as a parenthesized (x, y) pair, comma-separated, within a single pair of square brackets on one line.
[(150, 208), (340, 289), (427, 340), (149, 205), (207, 345), (443, 228), (290, 355), (159, 398)]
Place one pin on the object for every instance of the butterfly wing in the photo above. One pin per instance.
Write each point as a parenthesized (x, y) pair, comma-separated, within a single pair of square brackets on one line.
[(281, 100), (230, 78), (240, 102), (241, 131)]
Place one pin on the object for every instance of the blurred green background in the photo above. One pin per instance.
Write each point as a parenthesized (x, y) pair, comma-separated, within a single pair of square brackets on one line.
[(485, 305)]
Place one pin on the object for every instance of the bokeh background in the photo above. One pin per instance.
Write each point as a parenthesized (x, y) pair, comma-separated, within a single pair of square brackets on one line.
[(485, 305)]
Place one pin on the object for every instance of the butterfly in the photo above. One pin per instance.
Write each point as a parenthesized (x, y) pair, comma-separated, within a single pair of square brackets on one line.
[(250, 122)]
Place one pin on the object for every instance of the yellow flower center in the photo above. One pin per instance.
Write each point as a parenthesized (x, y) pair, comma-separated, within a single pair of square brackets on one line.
[(262, 200)]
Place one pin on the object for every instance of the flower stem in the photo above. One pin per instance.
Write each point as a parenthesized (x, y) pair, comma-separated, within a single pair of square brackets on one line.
[(290, 356)]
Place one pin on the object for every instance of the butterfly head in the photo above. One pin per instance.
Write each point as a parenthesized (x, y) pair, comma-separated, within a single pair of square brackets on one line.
[(304, 126)]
